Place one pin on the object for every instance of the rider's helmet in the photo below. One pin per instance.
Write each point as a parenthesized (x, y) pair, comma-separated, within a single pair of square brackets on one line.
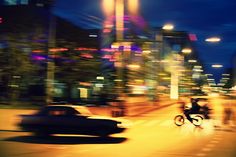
[(194, 100)]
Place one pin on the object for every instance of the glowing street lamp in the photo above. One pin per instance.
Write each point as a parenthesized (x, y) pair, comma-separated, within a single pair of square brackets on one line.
[(210, 79), (192, 61), (108, 7), (208, 74), (216, 66), (117, 8), (168, 27), (186, 50), (213, 39), (133, 66), (225, 74), (197, 67), (133, 6)]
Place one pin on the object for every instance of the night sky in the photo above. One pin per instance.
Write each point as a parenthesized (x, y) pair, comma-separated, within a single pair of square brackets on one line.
[(205, 18)]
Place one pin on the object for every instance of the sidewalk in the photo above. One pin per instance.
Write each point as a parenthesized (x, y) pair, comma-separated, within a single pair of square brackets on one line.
[(131, 108)]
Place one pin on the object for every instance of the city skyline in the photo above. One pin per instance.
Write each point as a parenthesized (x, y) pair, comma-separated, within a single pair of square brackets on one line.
[(203, 18)]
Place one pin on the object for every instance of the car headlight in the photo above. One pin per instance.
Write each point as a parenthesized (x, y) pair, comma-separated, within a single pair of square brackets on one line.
[(125, 124), (120, 125)]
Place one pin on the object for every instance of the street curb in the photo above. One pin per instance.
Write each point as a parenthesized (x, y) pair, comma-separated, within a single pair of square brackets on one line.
[(151, 110)]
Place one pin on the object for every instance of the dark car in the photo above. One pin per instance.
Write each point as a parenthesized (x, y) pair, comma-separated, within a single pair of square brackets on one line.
[(68, 119)]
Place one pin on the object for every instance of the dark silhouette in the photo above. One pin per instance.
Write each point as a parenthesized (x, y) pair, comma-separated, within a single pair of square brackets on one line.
[(68, 119), (228, 112), (66, 140), (195, 108), (206, 111)]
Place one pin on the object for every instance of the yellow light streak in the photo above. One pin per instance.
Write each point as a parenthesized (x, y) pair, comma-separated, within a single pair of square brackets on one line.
[(119, 19), (133, 6), (186, 50), (192, 61), (133, 66), (108, 7)]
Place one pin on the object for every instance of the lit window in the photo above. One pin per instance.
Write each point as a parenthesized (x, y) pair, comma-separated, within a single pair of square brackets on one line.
[(24, 2), (10, 2)]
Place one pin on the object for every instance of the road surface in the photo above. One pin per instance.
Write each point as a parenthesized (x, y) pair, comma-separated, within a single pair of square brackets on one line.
[(151, 135)]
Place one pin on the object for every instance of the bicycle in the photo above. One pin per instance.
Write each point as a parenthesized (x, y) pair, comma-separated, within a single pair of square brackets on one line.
[(180, 119)]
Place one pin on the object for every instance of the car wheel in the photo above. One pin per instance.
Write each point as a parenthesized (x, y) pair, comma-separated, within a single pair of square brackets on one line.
[(179, 120), (41, 134), (103, 133)]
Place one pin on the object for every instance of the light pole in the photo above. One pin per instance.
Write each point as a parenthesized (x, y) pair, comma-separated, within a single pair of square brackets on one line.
[(50, 59), (174, 64), (117, 10), (119, 14), (213, 40), (186, 70), (124, 54)]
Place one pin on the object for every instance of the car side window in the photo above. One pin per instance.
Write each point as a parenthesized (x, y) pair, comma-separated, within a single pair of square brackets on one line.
[(71, 111), (56, 113), (63, 112)]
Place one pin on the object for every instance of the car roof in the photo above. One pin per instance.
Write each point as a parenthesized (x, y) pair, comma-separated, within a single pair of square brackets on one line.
[(81, 109)]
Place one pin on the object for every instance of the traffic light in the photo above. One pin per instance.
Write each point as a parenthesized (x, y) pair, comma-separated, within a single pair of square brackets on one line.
[(1, 20)]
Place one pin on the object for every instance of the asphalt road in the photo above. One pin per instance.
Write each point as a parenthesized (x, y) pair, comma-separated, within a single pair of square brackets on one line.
[(151, 135)]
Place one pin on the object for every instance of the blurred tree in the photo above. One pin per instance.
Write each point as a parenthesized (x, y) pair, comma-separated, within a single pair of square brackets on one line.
[(17, 68), (75, 66)]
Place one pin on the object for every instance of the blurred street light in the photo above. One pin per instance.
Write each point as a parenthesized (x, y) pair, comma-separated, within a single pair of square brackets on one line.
[(108, 7), (168, 27), (213, 39), (216, 66), (225, 74), (133, 6), (133, 66), (210, 79), (192, 61), (208, 74), (197, 67), (186, 51)]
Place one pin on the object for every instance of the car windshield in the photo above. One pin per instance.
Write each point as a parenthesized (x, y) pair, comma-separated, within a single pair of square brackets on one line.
[(83, 110), (64, 110)]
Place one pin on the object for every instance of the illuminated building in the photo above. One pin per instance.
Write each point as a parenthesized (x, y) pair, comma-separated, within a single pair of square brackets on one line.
[(29, 24), (234, 70), (173, 46)]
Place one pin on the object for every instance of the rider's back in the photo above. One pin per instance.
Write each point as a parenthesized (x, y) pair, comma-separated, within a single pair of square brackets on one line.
[(195, 107)]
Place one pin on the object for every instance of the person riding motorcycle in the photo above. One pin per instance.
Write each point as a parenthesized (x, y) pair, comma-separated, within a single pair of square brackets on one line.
[(194, 109), (206, 111)]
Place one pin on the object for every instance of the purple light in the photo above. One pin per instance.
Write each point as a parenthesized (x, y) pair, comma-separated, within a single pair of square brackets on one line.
[(138, 20), (38, 57), (136, 49), (192, 37)]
